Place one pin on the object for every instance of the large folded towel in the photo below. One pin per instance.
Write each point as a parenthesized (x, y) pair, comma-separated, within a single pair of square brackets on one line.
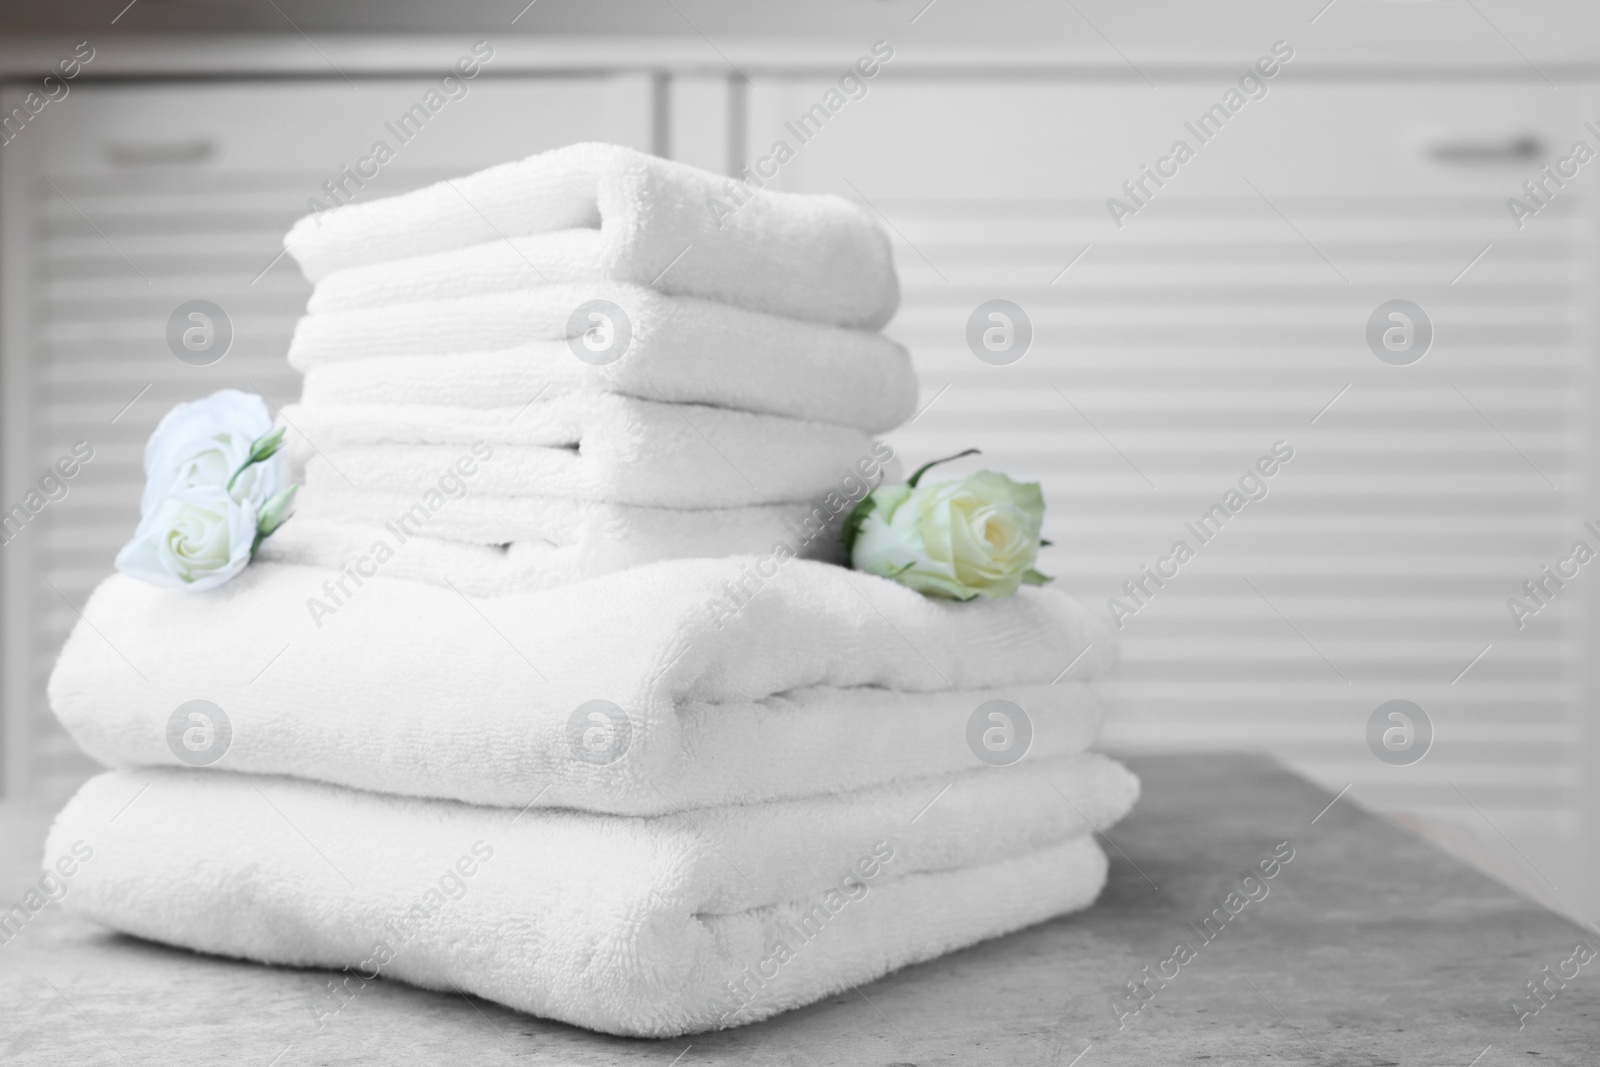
[(505, 349), (719, 681), (595, 211), (648, 927), (588, 447)]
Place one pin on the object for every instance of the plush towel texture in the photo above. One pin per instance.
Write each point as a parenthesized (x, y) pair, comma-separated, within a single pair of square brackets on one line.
[(521, 566), (506, 349), (644, 927), (595, 211), (818, 679), (491, 545), (610, 536), (587, 447)]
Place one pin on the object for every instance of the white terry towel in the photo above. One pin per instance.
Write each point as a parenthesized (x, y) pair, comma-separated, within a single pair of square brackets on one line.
[(587, 447), (520, 566), (505, 349), (486, 545), (593, 211), (646, 927), (606, 536), (817, 679)]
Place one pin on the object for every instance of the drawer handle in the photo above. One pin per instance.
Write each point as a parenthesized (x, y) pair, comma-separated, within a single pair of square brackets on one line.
[(1512, 150), (159, 153)]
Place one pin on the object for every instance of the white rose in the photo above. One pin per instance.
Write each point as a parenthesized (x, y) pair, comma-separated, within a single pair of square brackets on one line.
[(204, 442), (194, 539), (973, 537)]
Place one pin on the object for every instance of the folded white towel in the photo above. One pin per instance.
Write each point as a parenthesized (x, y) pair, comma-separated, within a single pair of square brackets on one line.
[(505, 349), (814, 679), (588, 447), (520, 566), (648, 927), (591, 211), (606, 536)]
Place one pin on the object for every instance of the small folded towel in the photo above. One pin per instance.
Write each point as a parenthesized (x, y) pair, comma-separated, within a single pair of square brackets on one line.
[(606, 536), (521, 566), (670, 686), (644, 927), (596, 211), (587, 447), (505, 349)]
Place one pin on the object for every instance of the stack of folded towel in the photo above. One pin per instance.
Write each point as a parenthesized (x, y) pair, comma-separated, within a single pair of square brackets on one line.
[(615, 801), (642, 379)]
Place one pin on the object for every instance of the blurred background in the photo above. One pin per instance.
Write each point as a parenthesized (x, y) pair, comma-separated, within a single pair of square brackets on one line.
[(1175, 340)]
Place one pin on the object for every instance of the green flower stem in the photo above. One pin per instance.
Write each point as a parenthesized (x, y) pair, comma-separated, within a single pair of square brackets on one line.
[(264, 448), (915, 478)]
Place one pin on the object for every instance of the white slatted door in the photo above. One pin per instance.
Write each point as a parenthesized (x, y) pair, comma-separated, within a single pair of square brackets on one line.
[(126, 202), (1227, 315)]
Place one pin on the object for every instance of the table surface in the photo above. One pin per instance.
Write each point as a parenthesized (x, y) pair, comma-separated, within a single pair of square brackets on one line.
[(1370, 948)]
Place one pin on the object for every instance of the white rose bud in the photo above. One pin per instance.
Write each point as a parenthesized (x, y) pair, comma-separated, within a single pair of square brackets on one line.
[(973, 537), (194, 539)]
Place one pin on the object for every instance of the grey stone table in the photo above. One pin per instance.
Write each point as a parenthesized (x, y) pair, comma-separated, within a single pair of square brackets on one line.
[(1368, 948)]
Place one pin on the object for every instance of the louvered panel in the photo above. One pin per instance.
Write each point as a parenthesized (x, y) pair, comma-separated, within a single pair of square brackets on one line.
[(1222, 318), (1390, 454), (111, 250)]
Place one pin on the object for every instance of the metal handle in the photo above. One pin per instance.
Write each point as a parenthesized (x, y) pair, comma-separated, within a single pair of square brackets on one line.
[(1523, 148), (159, 153)]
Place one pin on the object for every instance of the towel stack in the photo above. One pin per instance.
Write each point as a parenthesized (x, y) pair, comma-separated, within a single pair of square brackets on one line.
[(636, 802), (610, 373)]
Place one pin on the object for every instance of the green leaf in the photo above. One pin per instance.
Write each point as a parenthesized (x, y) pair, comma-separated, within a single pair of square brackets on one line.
[(265, 447), (1045, 544), (1033, 577), (912, 481), (856, 519)]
